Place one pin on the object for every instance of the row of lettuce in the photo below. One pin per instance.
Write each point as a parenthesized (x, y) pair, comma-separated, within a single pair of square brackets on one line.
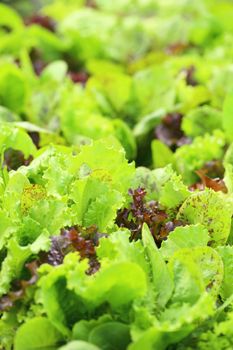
[(67, 163), (124, 96), (142, 295)]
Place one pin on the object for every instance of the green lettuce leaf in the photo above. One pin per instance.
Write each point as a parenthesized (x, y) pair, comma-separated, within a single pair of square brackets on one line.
[(161, 154), (160, 335), (98, 158), (45, 337), (95, 201), (115, 285), (111, 336), (116, 247), (13, 88), (115, 86), (10, 18), (189, 158), (79, 345), (16, 138), (226, 253), (161, 278), (227, 116), (111, 283), (202, 120), (146, 124), (191, 96), (16, 257), (82, 329), (189, 236), (153, 89), (162, 184), (195, 270), (212, 211), (87, 42)]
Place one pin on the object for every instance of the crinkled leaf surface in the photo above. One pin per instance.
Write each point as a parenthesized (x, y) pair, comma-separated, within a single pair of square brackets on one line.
[(211, 210)]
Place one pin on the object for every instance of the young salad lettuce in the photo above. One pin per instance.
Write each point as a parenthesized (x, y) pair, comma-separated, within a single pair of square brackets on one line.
[(116, 175)]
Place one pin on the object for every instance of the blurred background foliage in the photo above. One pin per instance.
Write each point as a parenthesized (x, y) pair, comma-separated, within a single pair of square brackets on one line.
[(25, 7)]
